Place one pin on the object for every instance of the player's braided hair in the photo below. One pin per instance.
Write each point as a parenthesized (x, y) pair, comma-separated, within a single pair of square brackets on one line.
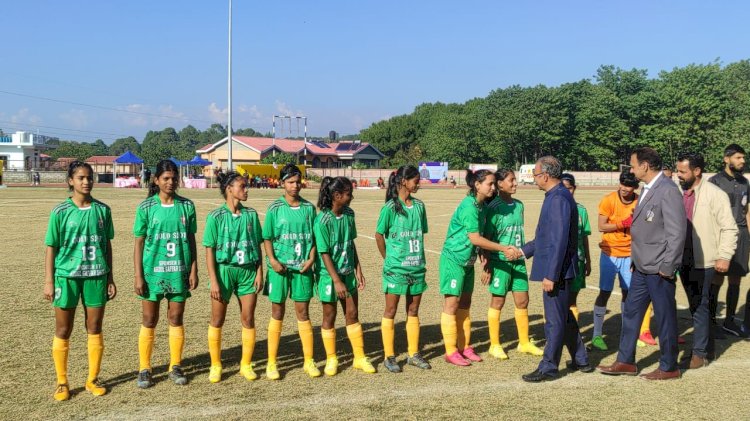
[(226, 179), (403, 173), (329, 186), (165, 165)]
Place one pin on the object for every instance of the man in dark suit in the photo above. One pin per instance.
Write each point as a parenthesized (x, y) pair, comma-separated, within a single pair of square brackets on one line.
[(658, 233), (554, 249)]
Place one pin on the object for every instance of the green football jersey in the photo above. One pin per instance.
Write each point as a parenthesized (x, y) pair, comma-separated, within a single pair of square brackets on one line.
[(166, 254), (335, 235), (80, 236), (584, 230), (404, 237), (469, 217), (236, 238), (290, 229), (504, 225)]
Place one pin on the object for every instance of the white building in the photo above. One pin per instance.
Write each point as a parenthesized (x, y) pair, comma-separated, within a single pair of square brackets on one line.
[(23, 150)]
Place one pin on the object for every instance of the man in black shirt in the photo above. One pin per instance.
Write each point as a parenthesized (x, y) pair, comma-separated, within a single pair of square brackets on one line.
[(734, 183)]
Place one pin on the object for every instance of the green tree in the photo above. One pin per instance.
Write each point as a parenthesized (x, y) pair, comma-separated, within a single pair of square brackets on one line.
[(280, 158), (123, 144)]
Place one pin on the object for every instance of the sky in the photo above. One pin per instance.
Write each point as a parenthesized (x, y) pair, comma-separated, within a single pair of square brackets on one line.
[(86, 70)]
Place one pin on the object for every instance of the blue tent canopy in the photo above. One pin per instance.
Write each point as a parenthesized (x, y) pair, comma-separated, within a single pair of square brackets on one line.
[(177, 161), (128, 158), (199, 161)]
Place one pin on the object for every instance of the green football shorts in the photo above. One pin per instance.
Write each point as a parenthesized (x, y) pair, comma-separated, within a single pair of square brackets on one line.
[(236, 280), (454, 278), (280, 286), (508, 276), (92, 292), (326, 292)]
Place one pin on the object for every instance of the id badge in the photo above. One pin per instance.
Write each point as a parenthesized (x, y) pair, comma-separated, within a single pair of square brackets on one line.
[(649, 215)]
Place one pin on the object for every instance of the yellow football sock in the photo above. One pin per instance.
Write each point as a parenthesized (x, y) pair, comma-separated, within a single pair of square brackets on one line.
[(305, 330), (461, 315), (248, 345), (176, 344), (646, 324), (274, 336), (214, 345), (96, 349), (329, 341), (145, 347), (412, 334), (522, 324), (450, 332), (493, 322), (356, 337), (60, 357), (574, 310), (387, 331)]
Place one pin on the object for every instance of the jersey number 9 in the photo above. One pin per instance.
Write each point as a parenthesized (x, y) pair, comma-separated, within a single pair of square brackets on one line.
[(171, 249)]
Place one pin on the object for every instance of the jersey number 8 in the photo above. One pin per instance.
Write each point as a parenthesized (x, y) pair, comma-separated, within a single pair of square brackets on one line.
[(240, 254)]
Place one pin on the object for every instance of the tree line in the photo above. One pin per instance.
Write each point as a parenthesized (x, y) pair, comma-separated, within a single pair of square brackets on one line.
[(592, 124)]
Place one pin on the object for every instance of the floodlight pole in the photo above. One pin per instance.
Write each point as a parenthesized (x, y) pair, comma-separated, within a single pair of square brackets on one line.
[(229, 93), (288, 117)]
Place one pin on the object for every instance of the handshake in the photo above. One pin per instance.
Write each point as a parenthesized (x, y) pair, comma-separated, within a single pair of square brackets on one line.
[(512, 253)]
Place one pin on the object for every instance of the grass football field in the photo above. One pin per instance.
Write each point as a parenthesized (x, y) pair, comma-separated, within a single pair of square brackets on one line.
[(488, 390)]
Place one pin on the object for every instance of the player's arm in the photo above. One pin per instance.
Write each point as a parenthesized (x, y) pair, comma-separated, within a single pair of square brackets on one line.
[(259, 273), (193, 279), (49, 273), (310, 258), (111, 287), (358, 273), (140, 280), (213, 277), (275, 264), (380, 241), (605, 226), (587, 263)]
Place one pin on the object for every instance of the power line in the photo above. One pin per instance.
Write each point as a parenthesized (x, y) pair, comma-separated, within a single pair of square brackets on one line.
[(101, 107), (63, 128), (24, 127)]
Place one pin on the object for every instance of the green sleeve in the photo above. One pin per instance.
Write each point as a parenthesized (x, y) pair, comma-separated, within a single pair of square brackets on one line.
[(322, 238), (52, 238), (586, 225), (140, 227), (469, 217), (269, 225), (110, 225), (257, 233), (192, 219), (384, 221), (209, 232), (488, 230), (424, 220), (354, 227)]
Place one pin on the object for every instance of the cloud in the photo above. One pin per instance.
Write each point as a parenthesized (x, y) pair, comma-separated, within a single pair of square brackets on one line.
[(142, 115), (76, 118), (24, 116), (216, 114), (286, 110)]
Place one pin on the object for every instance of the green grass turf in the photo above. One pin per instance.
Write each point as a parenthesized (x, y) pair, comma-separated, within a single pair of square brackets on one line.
[(491, 389)]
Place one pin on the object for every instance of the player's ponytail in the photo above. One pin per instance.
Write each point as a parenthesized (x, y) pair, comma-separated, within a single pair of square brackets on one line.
[(473, 177), (329, 186), (403, 173), (165, 165), (226, 179)]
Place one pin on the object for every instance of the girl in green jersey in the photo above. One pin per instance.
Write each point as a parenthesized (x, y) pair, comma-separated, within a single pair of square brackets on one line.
[(339, 271), (78, 267), (584, 255), (400, 239), (165, 266), (457, 266), (233, 239), (508, 272), (290, 254)]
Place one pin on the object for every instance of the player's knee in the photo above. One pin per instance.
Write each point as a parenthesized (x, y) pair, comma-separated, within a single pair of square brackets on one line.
[(63, 332), (352, 316), (218, 321), (150, 320), (522, 303), (94, 327), (389, 312), (175, 319), (303, 315)]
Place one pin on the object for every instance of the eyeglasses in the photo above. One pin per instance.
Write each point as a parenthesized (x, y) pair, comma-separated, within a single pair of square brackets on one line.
[(537, 175)]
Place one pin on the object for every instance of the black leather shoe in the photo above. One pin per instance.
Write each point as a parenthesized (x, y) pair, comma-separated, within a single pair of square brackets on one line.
[(537, 376), (588, 368)]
